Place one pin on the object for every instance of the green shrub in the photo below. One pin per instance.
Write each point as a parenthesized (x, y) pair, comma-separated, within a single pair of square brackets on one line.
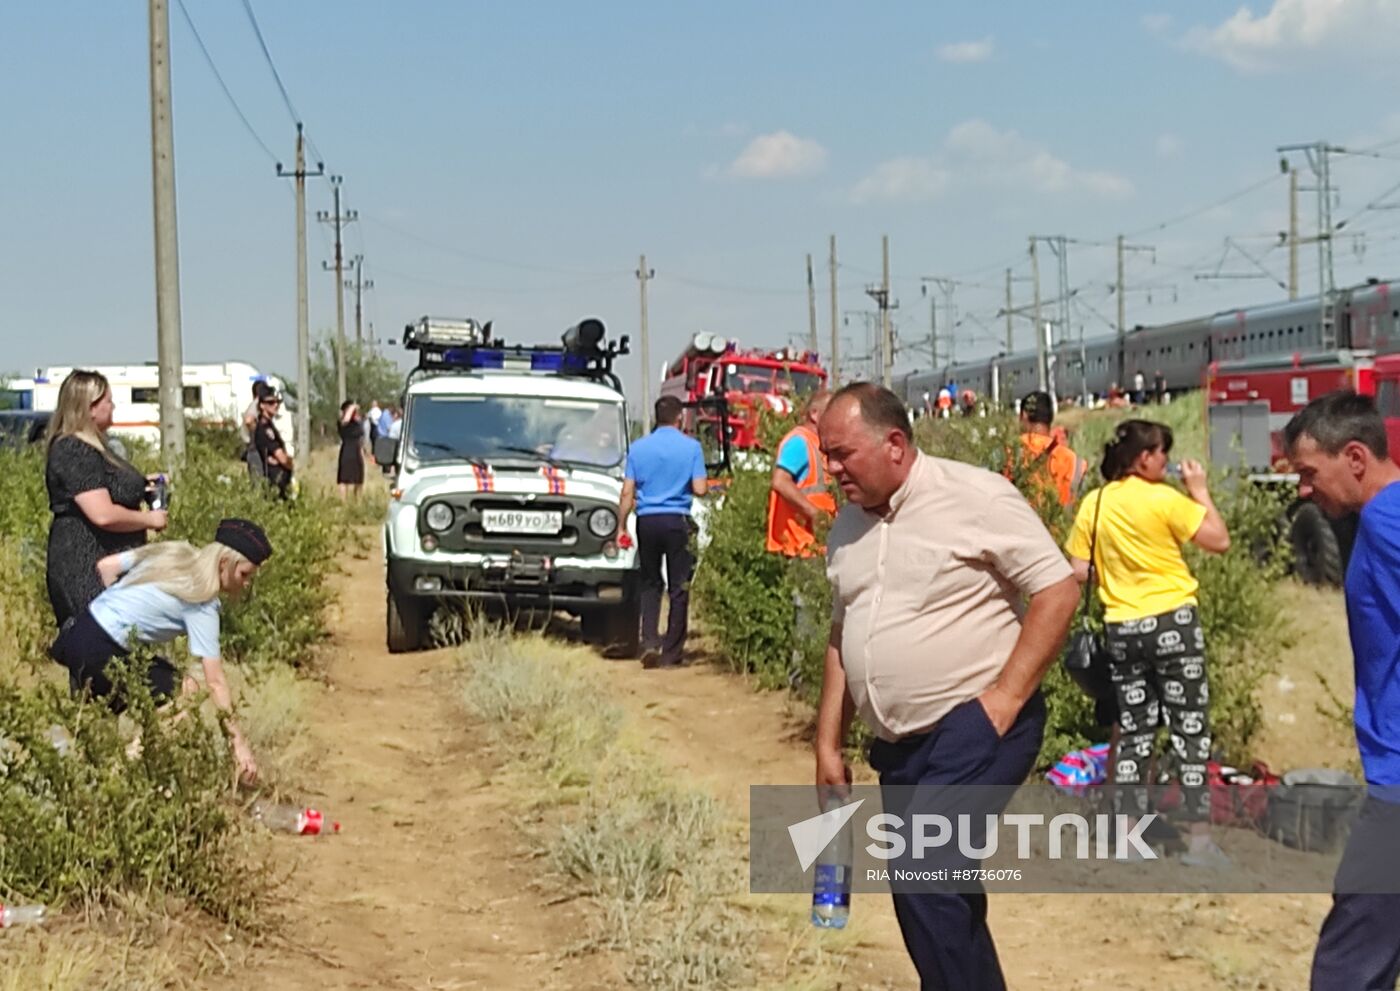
[(88, 823)]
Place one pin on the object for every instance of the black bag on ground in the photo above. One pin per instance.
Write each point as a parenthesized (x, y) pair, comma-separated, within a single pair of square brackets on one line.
[(1313, 810), (1087, 657)]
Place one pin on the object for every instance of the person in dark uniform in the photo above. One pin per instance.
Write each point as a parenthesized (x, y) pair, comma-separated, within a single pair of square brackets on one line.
[(350, 471), (277, 463), (245, 430), (95, 496), (664, 471)]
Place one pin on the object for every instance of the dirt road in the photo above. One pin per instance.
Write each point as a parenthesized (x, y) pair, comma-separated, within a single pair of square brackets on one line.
[(429, 887)]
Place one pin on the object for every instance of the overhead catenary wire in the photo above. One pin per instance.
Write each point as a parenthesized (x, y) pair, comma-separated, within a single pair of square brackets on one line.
[(218, 76)]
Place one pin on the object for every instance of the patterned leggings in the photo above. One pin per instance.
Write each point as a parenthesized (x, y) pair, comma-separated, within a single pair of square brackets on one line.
[(1159, 674)]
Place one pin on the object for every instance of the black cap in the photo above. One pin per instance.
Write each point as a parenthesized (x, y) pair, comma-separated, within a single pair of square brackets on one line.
[(246, 537), (1037, 407)]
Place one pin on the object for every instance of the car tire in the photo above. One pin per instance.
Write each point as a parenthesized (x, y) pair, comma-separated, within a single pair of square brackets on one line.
[(405, 623), (1317, 554)]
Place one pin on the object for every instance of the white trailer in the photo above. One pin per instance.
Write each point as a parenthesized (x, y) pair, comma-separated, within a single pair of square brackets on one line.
[(213, 393)]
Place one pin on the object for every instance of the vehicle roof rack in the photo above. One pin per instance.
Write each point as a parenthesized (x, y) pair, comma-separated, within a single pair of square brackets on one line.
[(454, 346)]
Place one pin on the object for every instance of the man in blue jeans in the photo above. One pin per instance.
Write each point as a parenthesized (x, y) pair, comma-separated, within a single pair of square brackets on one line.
[(664, 471), (1338, 447), (949, 602)]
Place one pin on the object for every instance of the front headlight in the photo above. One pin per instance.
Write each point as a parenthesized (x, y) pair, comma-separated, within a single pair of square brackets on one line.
[(439, 516), (603, 523)]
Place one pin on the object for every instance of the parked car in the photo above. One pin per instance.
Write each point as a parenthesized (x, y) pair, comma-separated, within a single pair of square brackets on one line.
[(19, 427)]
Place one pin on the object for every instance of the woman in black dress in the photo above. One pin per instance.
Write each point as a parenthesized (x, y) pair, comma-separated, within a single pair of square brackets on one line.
[(350, 472), (95, 496)]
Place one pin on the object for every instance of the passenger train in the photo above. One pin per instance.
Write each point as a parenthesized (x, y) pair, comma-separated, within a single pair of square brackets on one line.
[(1366, 317)]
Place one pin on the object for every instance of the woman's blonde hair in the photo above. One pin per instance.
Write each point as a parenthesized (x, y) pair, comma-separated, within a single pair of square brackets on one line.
[(191, 574), (73, 415)]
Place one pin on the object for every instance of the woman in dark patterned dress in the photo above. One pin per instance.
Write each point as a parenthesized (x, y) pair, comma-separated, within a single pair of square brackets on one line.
[(95, 496), (350, 472)]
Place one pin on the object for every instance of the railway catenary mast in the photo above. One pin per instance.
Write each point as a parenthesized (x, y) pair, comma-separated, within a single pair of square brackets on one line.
[(1366, 316)]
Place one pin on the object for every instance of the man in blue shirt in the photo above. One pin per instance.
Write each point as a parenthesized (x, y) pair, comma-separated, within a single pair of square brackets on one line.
[(1337, 444), (664, 471)]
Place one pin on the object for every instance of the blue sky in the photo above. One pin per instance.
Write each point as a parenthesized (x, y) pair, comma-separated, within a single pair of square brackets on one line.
[(511, 161)]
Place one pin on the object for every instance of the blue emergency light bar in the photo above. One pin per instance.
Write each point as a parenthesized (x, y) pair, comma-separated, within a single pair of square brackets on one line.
[(522, 359), (582, 351)]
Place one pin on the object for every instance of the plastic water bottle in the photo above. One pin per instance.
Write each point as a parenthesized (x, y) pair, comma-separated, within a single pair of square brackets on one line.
[(831, 882), (295, 820), (20, 915), (160, 493)]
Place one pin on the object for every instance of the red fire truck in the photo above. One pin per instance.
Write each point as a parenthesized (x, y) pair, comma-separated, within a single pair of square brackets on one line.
[(720, 381), (1249, 403)]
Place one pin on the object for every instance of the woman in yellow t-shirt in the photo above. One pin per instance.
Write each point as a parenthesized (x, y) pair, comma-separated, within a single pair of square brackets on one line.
[(1133, 528)]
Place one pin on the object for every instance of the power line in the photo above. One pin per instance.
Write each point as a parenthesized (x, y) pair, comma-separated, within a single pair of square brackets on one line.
[(209, 60), (1272, 177), (277, 76), (488, 259)]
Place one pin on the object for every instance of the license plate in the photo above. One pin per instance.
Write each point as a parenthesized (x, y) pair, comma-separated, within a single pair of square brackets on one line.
[(522, 520)]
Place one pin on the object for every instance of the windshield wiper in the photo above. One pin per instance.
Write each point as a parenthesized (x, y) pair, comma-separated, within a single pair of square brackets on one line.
[(531, 452), (433, 445)]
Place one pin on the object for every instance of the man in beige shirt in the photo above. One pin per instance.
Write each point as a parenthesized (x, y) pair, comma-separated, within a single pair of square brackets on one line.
[(949, 602)]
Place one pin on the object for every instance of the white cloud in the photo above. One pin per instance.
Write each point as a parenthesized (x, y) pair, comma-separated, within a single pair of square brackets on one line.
[(778, 155), (1291, 28), (966, 51), (975, 153), (1168, 145), (904, 180), (1156, 23)]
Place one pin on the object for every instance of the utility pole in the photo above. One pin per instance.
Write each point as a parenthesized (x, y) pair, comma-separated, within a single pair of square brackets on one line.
[(881, 295), (1319, 160), (835, 373), (1292, 233), (1010, 338), (359, 285), (1040, 370), (338, 220), (1121, 291), (169, 349), (645, 275), (812, 307), (303, 424)]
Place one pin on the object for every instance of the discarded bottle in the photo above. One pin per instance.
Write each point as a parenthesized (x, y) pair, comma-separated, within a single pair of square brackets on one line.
[(20, 915), (61, 739), (831, 882), (295, 820), (160, 493)]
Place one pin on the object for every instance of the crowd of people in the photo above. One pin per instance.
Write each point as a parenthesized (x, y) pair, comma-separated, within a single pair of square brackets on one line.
[(950, 601)]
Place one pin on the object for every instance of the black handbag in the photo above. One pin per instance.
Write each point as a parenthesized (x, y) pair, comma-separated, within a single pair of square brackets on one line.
[(1087, 657)]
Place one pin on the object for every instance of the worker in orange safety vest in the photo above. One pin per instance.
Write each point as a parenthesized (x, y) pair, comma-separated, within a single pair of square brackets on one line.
[(799, 494)]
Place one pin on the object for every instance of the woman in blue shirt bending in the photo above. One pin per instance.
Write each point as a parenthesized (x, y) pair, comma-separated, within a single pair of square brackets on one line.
[(155, 594)]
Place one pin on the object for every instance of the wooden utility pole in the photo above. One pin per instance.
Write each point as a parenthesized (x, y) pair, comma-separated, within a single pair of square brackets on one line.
[(303, 422), (338, 220), (358, 285), (812, 308), (645, 275), (169, 349)]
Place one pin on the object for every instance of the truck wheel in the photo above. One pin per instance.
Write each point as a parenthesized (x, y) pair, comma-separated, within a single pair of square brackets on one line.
[(404, 623), (1317, 556)]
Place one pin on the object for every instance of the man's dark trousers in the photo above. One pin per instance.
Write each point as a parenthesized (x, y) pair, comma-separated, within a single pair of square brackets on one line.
[(665, 536), (1359, 946), (946, 933)]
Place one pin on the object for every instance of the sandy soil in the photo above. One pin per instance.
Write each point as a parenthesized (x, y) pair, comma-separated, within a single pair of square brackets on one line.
[(429, 887)]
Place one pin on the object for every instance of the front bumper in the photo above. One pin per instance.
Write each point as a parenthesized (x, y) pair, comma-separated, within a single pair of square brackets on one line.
[(518, 581)]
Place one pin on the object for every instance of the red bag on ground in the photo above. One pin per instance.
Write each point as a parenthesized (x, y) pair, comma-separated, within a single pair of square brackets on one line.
[(1239, 798)]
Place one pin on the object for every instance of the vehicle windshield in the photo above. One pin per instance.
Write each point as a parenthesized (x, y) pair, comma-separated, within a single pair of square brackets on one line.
[(750, 378), (804, 383), (462, 428)]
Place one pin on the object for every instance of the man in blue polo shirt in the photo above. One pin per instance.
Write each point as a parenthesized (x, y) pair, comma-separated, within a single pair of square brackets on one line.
[(1338, 447), (664, 471)]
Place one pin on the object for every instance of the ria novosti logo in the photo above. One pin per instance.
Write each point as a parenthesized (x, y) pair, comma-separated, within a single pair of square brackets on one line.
[(915, 836)]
